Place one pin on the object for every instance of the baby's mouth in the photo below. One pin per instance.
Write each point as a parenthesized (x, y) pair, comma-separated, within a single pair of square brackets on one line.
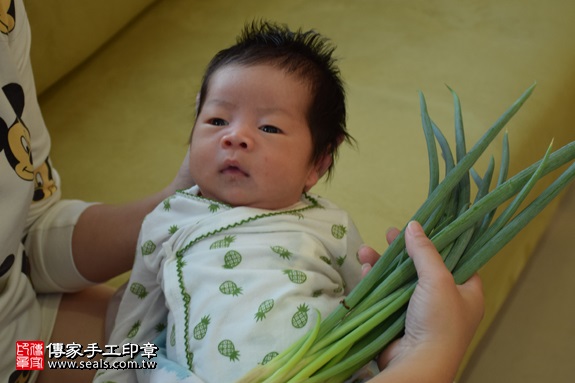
[(234, 170)]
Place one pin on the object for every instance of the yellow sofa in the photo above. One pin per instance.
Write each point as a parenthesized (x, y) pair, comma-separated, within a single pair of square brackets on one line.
[(118, 79)]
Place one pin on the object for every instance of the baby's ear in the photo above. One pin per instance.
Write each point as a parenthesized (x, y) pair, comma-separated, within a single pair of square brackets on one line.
[(318, 171), (326, 161), (323, 164), (197, 104)]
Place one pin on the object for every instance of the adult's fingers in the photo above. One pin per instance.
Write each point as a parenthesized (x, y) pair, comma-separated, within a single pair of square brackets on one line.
[(473, 285), (425, 256), (391, 233), (389, 353), (367, 257), (472, 291)]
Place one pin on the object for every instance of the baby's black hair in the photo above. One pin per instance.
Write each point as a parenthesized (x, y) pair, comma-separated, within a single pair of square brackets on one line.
[(305, 54)]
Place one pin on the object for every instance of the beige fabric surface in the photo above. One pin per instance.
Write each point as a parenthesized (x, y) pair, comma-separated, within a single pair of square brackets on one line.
[(67, 32), (531, 340), (121, 121)]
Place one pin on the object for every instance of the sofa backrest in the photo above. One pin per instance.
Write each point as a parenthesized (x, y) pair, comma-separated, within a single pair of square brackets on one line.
[(66, 32)]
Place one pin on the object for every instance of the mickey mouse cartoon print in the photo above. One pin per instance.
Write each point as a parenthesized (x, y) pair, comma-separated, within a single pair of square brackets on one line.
[(15, 136), (6, 16), (15, 143)]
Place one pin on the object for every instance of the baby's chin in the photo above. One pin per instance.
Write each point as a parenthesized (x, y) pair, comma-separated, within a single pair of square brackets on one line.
[(237, 200)]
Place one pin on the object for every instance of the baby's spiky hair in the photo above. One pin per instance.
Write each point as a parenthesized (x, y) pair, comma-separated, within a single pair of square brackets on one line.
[(308, 56)]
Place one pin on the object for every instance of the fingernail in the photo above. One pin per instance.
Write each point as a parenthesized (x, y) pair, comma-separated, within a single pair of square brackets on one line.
[(414, 228)]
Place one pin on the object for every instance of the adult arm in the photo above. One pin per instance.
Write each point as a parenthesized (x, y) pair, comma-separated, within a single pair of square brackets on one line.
[(73, 244), (104, 237)]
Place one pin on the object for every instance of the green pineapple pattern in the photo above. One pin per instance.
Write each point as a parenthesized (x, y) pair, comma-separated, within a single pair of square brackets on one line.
[(214, 207), (167, 203), (317, 293), (160, 327), (338, 231), (202, 328), (180, 262), (173, 229), (341, 260), (227, 348), (173, 336), (268, 358), (148, 247), (230, 288), (138, 290), (232, 259), (282, 252), (264, 308), (296, 214), (222, 243), (134, 330), (300, 318), (325, 259), (296, 276), (190, 358)]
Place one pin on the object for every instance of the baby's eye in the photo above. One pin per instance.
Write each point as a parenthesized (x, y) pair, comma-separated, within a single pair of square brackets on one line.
[(270, 129), (217, 122)]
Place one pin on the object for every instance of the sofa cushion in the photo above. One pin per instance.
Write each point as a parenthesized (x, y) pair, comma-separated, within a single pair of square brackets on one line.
[(67, 32)]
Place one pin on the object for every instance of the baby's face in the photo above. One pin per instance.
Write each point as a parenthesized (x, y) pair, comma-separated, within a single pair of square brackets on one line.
[(251, 144)]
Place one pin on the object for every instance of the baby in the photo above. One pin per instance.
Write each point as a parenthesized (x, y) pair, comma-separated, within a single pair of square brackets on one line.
[(234, 270)]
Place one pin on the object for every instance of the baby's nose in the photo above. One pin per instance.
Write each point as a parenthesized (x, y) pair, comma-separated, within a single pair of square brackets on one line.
[(237, 138)]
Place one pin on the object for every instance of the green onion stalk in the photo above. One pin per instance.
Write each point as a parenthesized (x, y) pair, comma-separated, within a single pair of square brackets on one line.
[(465, 233)]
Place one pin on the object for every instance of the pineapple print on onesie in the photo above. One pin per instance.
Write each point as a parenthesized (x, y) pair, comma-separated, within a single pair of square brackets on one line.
[(256, 283), (239, 286)]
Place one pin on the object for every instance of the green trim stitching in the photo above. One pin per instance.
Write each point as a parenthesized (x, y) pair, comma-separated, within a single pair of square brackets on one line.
[(180, 253)]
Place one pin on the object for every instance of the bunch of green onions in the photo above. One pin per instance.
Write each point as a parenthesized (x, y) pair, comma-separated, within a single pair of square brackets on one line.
[(466, 234)]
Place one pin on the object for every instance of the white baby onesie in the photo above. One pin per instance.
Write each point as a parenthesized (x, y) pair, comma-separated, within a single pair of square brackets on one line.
[(233, 287)]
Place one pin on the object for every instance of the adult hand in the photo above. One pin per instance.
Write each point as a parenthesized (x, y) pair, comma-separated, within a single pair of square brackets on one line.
[(105, 236), (442, 317), (368, 256), (183, 179)]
